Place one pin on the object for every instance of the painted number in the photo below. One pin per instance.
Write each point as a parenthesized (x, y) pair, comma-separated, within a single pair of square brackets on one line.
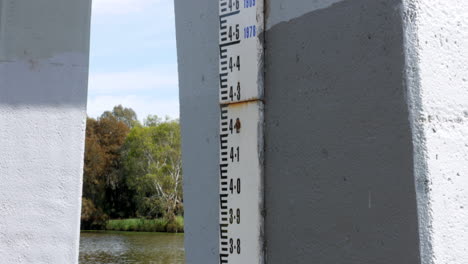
[(235, 246), (234, 32), (235, 93), (234, 217), (234, 63), (250, 32), (235, 126), (233, 4), (235, 154), (235, 186), (249, 3)]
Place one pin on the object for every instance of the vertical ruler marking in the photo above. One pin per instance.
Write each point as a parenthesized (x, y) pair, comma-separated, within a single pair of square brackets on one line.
[(241, 131)]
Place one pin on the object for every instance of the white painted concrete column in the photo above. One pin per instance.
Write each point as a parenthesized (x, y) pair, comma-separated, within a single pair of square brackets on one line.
[(437, 70), (44, 50)]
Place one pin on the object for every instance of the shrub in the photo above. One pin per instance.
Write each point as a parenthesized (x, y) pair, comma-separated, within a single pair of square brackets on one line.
[(92, 218), (147, 225)]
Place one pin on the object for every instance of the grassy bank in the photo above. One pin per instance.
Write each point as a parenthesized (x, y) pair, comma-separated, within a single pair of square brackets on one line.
[(147, 225)]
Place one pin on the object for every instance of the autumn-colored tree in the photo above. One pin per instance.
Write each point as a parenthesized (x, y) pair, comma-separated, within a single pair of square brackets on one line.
[(104, 184), (94, 165), (92, 217)]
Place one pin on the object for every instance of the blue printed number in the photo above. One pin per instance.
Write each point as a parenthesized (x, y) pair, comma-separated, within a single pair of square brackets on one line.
[(250, 32), (249, 3)]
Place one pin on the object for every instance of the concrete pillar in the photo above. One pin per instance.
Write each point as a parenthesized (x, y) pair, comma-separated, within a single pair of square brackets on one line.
[(339, 175), (197, 26), (366, 134), (44, 49), (436, 48)]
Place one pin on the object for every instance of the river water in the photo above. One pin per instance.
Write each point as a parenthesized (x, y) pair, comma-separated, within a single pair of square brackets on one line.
[(131, 247)]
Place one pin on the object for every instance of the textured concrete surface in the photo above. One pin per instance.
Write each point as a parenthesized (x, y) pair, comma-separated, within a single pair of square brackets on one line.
[(339, 156), (437, 70), (43, 78), (197, 25)]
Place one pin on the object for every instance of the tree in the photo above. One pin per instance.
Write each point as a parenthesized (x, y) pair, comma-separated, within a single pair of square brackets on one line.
[(94, 165), (131, 172), (152, 121), (104, 184), (91, 217), (111, 134), (123, 114), (152, 161)]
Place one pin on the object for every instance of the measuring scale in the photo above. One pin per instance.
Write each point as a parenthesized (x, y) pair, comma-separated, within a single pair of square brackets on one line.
[(241, 131)]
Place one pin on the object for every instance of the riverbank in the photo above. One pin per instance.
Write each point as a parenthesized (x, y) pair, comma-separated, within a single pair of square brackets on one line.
[(147, 225)]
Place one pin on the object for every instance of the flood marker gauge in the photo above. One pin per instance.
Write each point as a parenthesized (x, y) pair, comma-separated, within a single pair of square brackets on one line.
[(241, 131)]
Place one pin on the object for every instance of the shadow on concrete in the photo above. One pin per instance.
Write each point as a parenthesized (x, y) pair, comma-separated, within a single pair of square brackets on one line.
[(339, 158)]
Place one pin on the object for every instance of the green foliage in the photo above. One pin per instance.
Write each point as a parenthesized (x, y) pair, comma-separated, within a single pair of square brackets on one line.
[(123, 114), (132, 171), (176, 225), (147, 225), (152, 161), (152, 121)]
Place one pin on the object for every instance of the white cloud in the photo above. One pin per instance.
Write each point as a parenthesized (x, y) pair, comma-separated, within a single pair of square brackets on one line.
[(117, 25), (145, 79), (122, 6), (142, 105)]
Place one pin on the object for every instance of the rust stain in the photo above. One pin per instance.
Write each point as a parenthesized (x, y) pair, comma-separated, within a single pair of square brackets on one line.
[(243, 103), (238, 126)]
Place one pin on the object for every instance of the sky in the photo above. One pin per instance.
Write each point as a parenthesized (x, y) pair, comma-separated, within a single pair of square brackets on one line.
[(133, 58)]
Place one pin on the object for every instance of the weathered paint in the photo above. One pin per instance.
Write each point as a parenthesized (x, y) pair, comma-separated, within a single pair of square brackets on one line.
[(249, 50), (248, 137), (43, 79), (241, 150)]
